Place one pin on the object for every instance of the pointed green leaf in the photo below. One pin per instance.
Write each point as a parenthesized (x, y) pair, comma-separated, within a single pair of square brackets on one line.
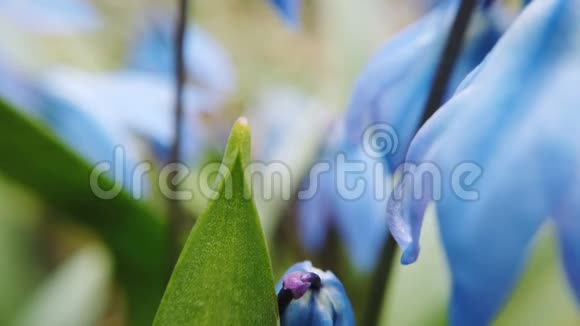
[(223, 276), (33, 156)]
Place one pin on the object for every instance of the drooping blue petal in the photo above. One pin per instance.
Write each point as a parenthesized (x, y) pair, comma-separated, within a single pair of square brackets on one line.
[(289, 10), (51, 16), (207, 62), (395, 85), (328, 305), (502, 67), (512, 121)]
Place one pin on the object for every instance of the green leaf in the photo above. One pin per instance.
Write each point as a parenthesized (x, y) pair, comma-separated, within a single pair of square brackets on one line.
[(223, 276), (33, 156)]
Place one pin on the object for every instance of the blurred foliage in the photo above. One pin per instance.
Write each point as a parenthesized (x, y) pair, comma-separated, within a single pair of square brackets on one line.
[(134, 233), (20, 269), (76, 294)]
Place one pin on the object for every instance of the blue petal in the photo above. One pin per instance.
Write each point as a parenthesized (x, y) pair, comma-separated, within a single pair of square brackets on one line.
[(314, 216), (394, 87), (568, 226), (51, 16), (360, 221), (317, 214), (289, 10), (207, 61), (17, 88), (82, 133), (502, 67), (311, 309), (353, 201), (521, 135)]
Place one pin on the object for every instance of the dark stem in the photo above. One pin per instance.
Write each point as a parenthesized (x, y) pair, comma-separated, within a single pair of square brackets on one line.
[(176, 213), (284, 299), (439, 87), (449, 57), (380, 282)]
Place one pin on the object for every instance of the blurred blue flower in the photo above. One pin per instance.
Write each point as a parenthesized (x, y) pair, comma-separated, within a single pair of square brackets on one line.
[(318, 300), (208, 63), (393, 89), (289, 10), (516, 118), (129, 104), (76, 128), (51, 16), (357, 216), (280, 115), (96, 112), (16, 87)]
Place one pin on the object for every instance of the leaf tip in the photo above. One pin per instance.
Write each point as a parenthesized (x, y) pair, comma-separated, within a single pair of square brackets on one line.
[(239, 141), (242, 122)]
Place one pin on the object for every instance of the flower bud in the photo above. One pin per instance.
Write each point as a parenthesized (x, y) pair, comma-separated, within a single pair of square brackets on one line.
[(318, 297)]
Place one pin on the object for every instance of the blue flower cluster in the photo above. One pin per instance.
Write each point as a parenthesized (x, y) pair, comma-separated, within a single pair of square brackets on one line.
[(393, 89), (515, 117)]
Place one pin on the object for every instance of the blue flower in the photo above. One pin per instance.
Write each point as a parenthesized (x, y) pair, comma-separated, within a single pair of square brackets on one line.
[(393, 89), (395, 85), (319, 297), (51, 16), (289, 10), (347, 201), (515, 117)]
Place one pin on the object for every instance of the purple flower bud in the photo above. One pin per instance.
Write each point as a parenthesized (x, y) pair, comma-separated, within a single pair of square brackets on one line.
[(300, 282)]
